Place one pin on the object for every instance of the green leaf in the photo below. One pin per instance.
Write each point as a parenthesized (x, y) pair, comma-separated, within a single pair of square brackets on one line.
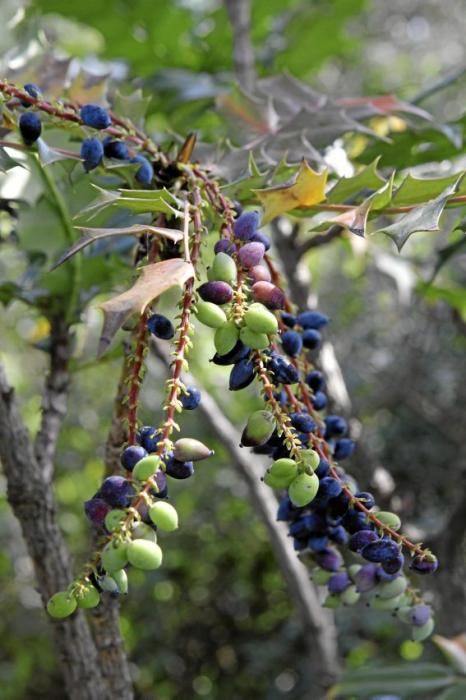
[(7, 162), (457, 692), (133, 106), (414, 190), (423, 218), (404, 680), (454, 296), (346, 187)]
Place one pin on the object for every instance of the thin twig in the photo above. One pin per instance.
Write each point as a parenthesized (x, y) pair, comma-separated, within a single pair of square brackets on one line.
[(239, 13)]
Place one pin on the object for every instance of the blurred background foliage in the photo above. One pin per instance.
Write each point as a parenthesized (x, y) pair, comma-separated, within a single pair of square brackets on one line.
[(216, 621)]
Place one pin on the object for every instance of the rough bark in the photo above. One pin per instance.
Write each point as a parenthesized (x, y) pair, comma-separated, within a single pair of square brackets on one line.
[(30, 494)]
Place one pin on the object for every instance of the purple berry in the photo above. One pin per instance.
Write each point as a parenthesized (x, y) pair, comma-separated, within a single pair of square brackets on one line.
[(268, 294), (131, 456), (95, 116), (311, 339), (312, 319), (339, 582), (259, 273), (424, 565), (246, 225), (216, 292), (161, 489), (420, 614), (393, 565), (251, 254), (224, 245), (260, 237), (96, 509), (329, 560), (366, 578), (30, 127)]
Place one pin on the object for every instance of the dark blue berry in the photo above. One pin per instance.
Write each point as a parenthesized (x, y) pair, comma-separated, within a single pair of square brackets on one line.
[(30, 127), (361, 538), (311, 339), (317, 543), (286, 510), (177, 469), (115, 149), (337, 507), (329, 560), (355, 520), (131, 456), (292, 343), (95, 116), (149, 438), (91, 153), (145, 173), (343, 448), (161, 327), (312, 319), (307, 525), (383, 577), (241, 375), (328, 488), (315, 380), (239, 352), (381, 550), (161, 488), (246, 225), (366, 498), (288, 319), (192, 399), (116, 491), (282, 371), (323, 468), (338, 535), (32, 90), (299, 545), (302, 422), (336, 426), (393, 565), (319, 400)]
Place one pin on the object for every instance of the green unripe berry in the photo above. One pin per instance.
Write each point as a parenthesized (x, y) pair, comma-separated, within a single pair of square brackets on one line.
[(310, 459), (88, 596), (284, 467), (61, 605), (303, 489), (404, 613), (332, 601), (275, 481), (226, 337), (114, 518), (144, 554), (421, 632), (191, 450), (143, 531), (259, 428), (389, 519), (350, 596), (390, 589), (121, 579), (353, 570), (146, 467), (320, 576), (260, 320), (114, 556), (387, 603), (210, 314), (164, 516), (256, 341), (223, 268)]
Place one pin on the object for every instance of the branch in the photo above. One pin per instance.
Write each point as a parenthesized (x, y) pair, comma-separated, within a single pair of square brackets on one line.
[(439, 85), (320, 239), (30, 495), (318, 626), (239, 13)]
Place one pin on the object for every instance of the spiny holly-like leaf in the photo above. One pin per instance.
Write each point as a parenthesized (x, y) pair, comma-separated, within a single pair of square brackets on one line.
[(7, 162), (50, 155), (423, 218), (89, 87), (366, 179), (105, 199), (354, 220), (414, 190), (139, 201), (90, 235), (306, 189), (155, 279), (382, 104)]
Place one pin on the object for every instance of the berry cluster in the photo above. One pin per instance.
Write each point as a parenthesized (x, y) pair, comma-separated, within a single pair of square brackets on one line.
[(354, 549), (93, 150)]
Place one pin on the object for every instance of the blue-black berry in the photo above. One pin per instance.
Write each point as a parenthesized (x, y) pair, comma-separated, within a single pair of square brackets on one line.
[(145, 173), (30, 127), (115, 149), (95, 116), (91, 153), (192, 399), (161, 327)]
